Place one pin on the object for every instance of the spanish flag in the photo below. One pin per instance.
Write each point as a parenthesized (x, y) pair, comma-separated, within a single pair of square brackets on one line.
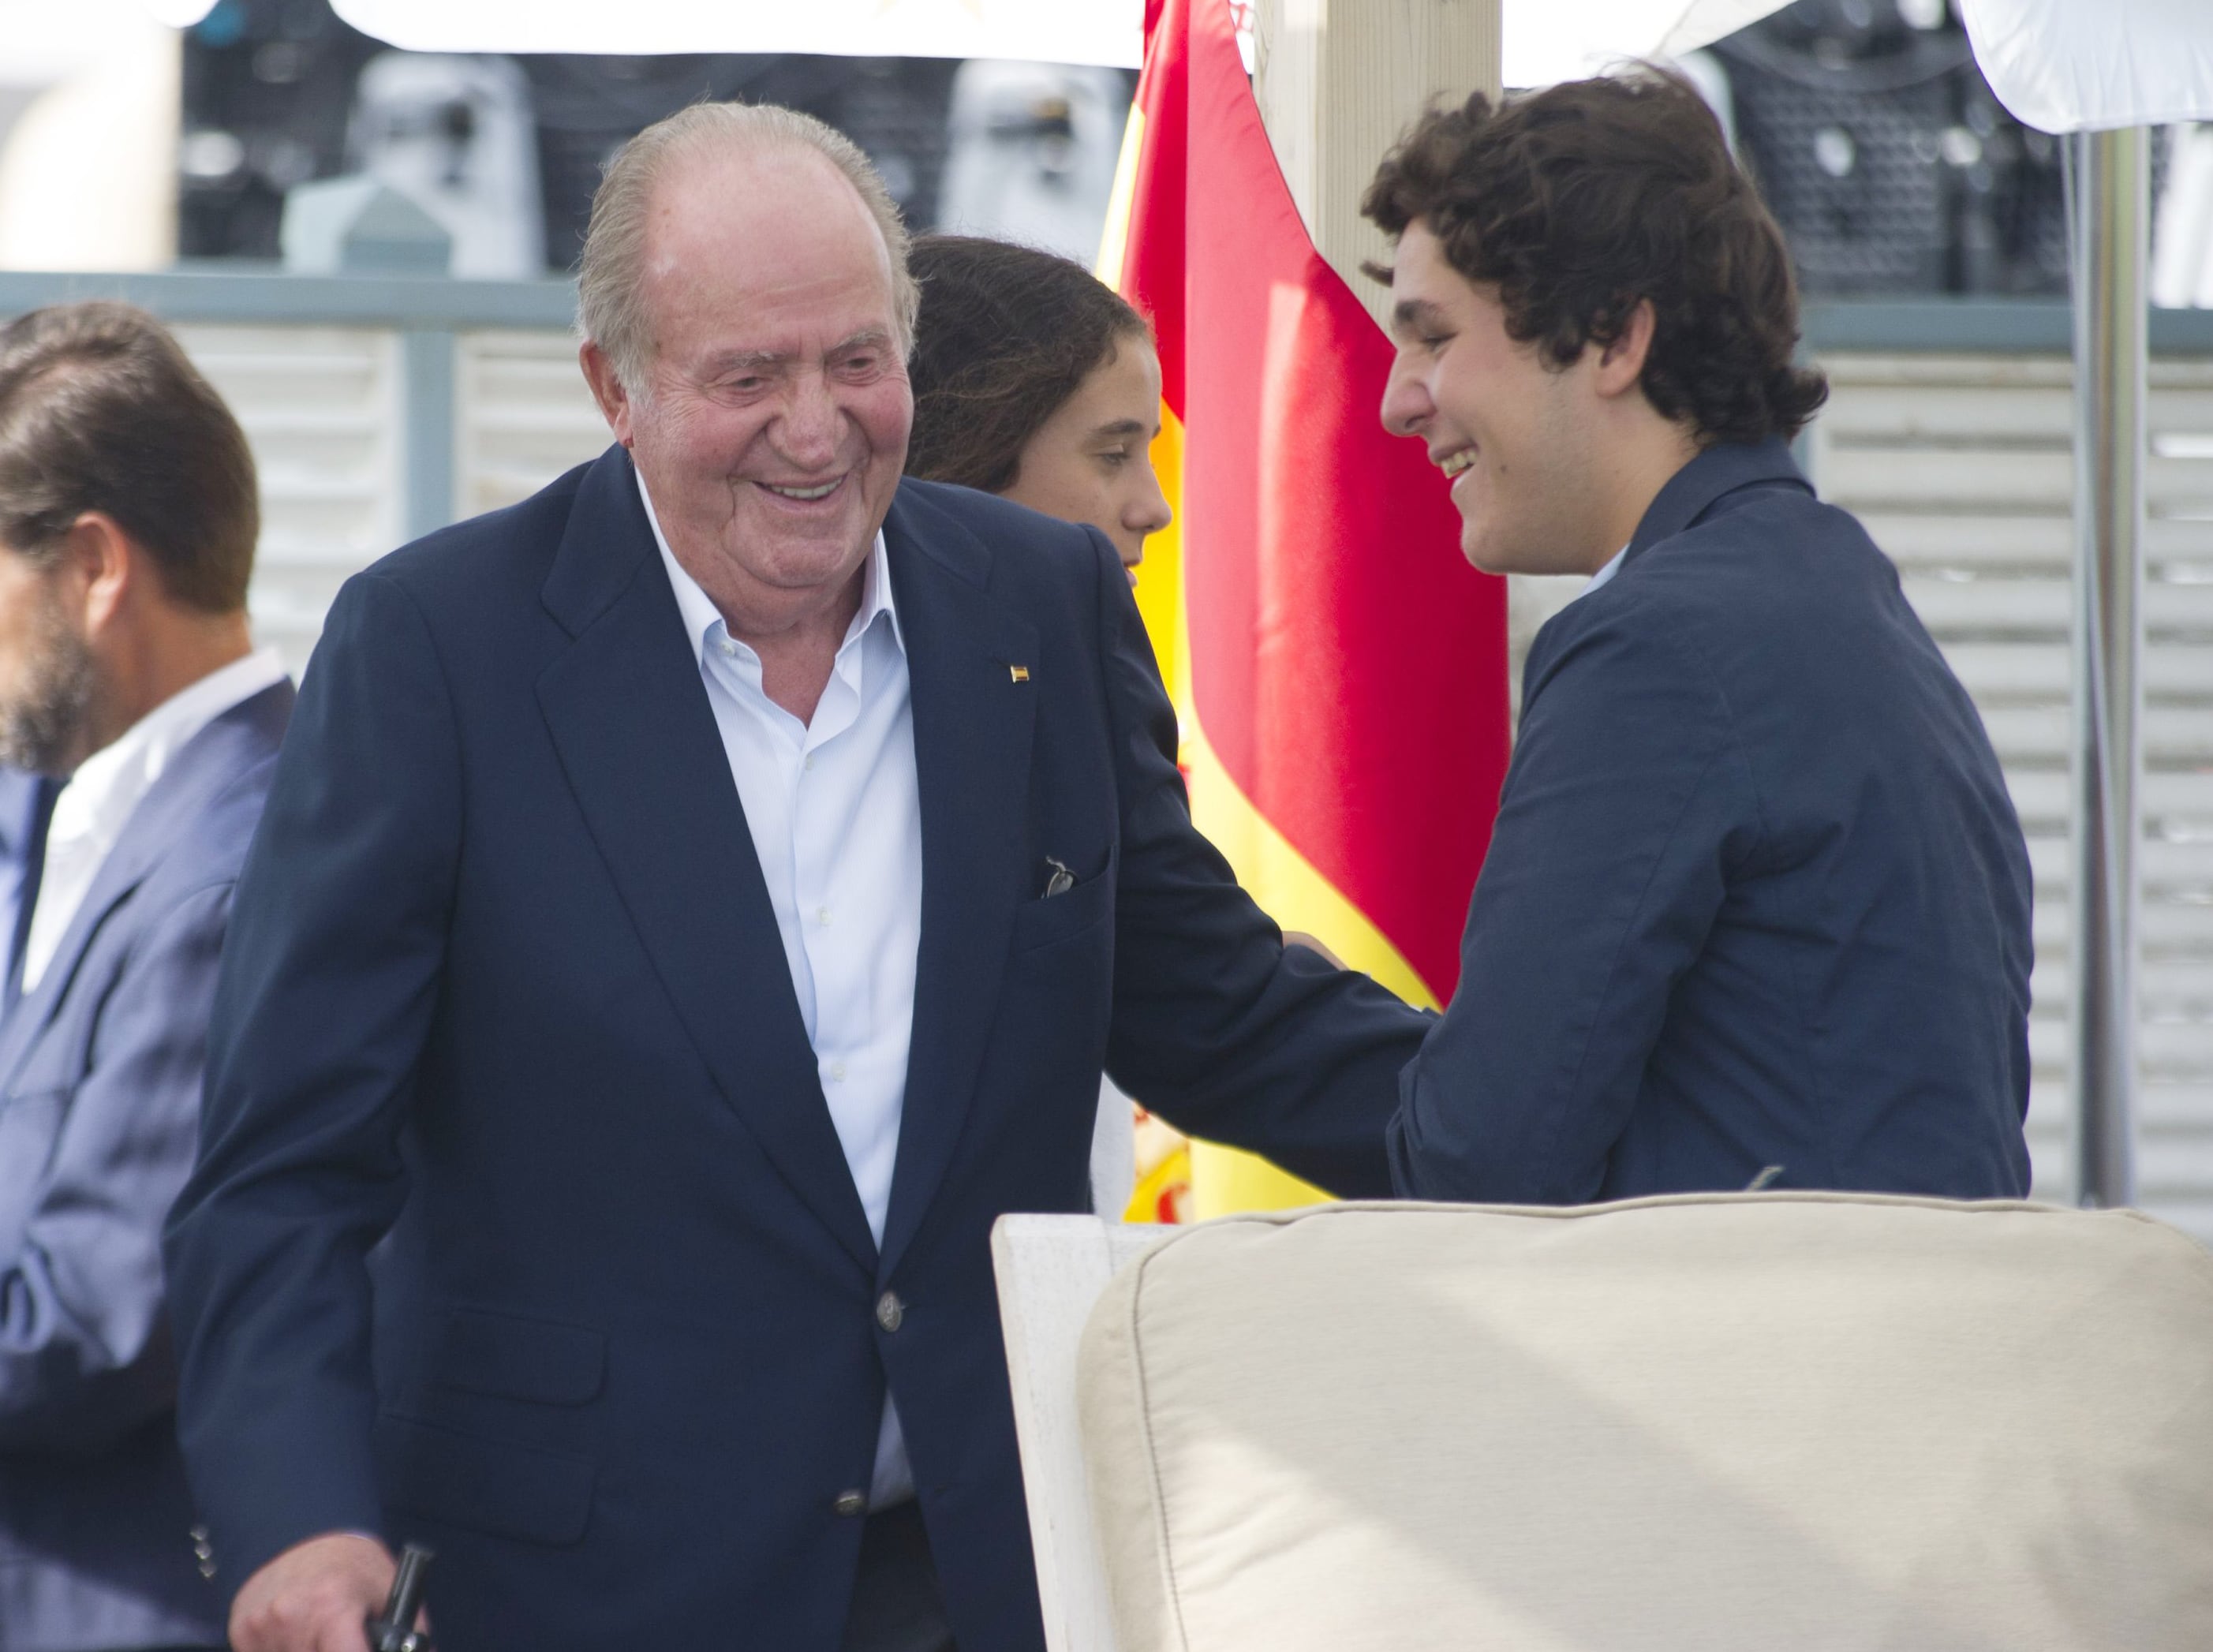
[(1340, 669)]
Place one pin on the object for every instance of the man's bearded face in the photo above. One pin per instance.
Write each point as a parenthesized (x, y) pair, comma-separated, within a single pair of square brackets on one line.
[(47, 676)]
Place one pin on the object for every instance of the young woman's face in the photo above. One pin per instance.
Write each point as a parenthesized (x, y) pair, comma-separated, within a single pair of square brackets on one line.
[(1092, 461)]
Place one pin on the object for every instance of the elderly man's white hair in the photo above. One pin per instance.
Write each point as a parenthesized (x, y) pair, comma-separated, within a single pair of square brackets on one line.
[(610, 309)]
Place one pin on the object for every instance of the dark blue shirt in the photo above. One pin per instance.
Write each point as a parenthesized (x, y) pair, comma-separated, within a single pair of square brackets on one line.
[(1756, 895)]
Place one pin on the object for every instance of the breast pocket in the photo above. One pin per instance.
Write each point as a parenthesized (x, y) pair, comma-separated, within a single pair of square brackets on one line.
[(1047, 919)]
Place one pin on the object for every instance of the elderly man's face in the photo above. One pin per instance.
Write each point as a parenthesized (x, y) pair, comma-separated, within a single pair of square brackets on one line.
[(47, 676), (775, 424)]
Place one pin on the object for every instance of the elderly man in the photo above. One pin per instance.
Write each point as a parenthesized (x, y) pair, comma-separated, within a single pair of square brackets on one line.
[(127, 524), (693, 904)]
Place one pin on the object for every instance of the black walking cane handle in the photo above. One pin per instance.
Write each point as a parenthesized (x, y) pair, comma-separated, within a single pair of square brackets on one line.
[(393, 1629)]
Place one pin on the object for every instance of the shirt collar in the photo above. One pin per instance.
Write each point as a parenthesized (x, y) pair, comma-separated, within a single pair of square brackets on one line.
[(107, 786), (1606, 574), (702, 618)]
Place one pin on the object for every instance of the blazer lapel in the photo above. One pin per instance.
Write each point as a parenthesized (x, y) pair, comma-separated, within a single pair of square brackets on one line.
[(30, 798), (636, 739), (972, 730), (248, 733)]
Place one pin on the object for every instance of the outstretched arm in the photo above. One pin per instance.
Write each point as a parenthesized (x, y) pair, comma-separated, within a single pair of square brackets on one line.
[(1218, 1025)]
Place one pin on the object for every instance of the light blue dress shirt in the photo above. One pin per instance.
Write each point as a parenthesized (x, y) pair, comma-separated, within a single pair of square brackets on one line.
[(1605, 575)]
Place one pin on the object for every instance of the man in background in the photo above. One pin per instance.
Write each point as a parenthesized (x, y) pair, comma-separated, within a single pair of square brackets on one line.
[(1756, 909), (127, 525)]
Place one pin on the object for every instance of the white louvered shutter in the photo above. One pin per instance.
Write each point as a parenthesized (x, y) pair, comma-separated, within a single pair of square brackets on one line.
[(1960, 468)]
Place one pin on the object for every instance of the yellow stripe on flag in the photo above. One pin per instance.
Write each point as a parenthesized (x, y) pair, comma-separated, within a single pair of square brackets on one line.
[(1114, 240), (1160, 576)]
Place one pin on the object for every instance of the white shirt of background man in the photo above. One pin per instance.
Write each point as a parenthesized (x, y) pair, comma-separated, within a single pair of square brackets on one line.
[(837, 825), (92, 809)]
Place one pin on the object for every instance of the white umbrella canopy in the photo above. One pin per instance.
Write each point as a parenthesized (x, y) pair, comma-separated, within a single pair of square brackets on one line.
[(2095, 65), (1109, 31), (1545, 40)]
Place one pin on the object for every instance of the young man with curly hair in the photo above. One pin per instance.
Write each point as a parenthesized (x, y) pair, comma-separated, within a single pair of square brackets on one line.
[(1756, 910)]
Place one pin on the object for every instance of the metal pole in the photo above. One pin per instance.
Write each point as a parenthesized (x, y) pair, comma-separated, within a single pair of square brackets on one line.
[(2110, 208)]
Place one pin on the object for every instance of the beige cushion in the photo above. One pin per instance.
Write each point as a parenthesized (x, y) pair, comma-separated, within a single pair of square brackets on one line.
[(1796, 1423)]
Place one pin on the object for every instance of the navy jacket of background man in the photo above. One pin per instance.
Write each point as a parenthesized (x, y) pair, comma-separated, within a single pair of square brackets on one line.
[(505, 984), (100, 1105), (1756, 895)]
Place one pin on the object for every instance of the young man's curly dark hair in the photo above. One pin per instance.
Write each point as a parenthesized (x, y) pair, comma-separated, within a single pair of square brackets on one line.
[(1577, 202)]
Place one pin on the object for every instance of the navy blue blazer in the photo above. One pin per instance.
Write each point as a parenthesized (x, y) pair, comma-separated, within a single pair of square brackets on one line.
[(1756, 895), (504, 993), (100, 1094)]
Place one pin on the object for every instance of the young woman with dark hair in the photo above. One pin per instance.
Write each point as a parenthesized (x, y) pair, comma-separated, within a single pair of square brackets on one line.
[(1033, 380)]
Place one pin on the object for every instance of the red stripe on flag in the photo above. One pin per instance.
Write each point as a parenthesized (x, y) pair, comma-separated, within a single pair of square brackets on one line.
[(1152, 267), (1347, 666)]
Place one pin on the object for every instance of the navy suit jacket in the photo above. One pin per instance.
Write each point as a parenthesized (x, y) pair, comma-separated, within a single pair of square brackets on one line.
[(504, 993), (100, 1095), (1756, 897)]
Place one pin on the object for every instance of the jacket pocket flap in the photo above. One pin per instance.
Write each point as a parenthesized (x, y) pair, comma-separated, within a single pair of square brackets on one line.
[(483, 1485), (514, 1358)]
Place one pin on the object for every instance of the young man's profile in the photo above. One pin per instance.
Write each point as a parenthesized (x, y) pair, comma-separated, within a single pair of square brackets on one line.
[(1756, 905)]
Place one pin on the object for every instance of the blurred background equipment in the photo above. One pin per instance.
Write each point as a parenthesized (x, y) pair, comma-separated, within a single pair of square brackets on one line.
[(588, 107), (1885, 158), (268, 91), (1031, 153), (504, 150), (456, 135), (357, 226)]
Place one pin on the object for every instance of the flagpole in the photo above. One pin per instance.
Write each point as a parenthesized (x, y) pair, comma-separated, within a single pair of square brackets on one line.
[(2110, 208)]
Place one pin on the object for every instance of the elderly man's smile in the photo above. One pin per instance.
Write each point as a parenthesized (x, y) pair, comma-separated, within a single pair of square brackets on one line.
[(802, 493)]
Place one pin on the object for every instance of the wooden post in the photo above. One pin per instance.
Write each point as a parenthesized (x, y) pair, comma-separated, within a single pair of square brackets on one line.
[(1338, 82)]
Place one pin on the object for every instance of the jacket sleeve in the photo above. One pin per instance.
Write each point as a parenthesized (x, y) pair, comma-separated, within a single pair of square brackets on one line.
[(1217, 1025), (85, 1356), (328, 990), (1627, 807)]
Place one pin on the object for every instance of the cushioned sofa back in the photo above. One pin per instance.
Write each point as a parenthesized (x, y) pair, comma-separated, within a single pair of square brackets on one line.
[(1793, 1422)]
